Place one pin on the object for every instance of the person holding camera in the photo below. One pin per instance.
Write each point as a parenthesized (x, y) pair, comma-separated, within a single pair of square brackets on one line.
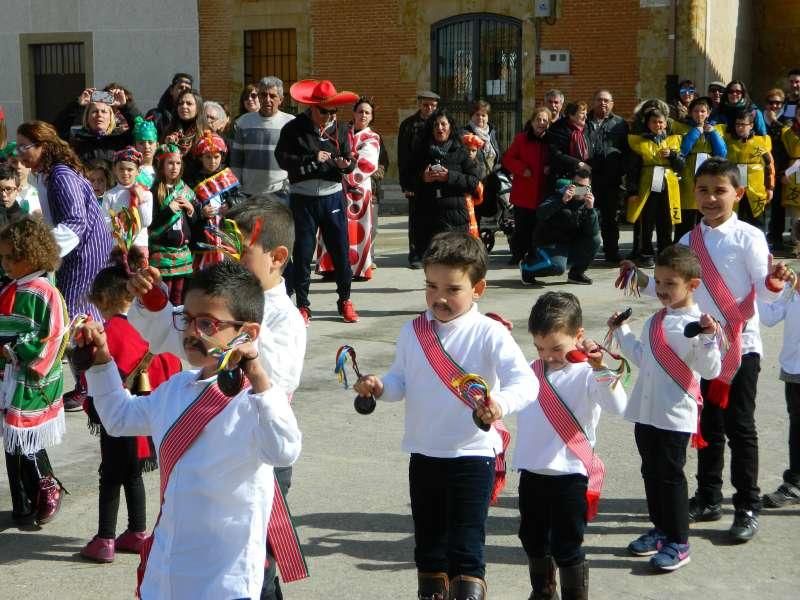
[(567, 232), (444, 174), (105, 126)]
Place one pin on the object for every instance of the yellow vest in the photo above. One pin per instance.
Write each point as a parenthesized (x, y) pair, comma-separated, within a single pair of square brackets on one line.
[(791, 190), (687, 175), (649, 151), (750, 155)]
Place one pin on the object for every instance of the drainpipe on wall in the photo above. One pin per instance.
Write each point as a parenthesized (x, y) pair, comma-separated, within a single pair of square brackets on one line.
[(671, 83)]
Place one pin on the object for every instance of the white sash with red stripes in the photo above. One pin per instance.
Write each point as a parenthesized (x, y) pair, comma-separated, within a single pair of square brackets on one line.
[(283, 540), (568, 428), (735, 314), (448, 370), (679, 371), (178, 439)]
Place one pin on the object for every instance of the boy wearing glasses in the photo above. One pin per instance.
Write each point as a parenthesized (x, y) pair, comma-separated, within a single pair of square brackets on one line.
[(216, 453), (10, 210)]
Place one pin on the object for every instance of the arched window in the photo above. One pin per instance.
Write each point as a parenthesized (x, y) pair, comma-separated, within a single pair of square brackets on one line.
[(480, 56)]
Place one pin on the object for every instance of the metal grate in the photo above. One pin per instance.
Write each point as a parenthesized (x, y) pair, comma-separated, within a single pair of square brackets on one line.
[(271, 52), (478, 56), (58, 59), (59, 75)]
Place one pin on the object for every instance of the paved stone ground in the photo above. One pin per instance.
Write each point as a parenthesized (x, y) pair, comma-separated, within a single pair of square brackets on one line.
[(350, 492)]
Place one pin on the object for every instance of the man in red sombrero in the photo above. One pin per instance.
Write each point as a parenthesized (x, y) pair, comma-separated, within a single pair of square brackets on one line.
[(315, 151)]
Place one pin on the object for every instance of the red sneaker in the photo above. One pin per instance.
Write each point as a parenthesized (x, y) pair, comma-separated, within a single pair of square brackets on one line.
[(99, 550), (305, 312), (130, 541), (49, 501), (348, 311)]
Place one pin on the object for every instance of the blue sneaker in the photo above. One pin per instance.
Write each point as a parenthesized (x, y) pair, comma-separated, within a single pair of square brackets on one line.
[(647, 544), (671, 556)]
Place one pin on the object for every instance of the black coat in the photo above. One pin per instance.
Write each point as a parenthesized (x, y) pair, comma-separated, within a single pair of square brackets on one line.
[(90, 146), (608, 145), (562, 164), (408, 138)]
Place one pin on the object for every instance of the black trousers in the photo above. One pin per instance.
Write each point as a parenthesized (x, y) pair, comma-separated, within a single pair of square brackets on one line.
[(552, 512), (326, 213), (607, 202), (793, 406), (663, 459), (24, 472), (413, 254), (654, 217), (522, 240), (689, 218), (449, 504), (737, 423), (777, 215), (120, 468), (271, 588), (745, 213)]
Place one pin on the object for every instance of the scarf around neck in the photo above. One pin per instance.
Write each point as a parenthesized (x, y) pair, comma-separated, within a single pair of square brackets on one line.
[(578, 147)]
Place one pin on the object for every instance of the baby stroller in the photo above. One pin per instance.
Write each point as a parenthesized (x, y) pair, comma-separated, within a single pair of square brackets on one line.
[(495, 213)]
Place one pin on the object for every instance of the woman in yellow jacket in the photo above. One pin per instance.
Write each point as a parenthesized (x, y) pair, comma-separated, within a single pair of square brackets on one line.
[(654, 201), (753, 155), (791, 178)]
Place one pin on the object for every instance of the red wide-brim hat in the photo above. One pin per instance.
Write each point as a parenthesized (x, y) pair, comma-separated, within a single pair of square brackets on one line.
[(320, 93)]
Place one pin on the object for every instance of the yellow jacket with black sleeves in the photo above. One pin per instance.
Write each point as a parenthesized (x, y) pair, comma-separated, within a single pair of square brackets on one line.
[(647, 162)]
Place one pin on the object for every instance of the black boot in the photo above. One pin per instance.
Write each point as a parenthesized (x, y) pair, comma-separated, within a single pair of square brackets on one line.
[(464, 587), (543, 578), (575, 582), (432, 586), (23, 504)]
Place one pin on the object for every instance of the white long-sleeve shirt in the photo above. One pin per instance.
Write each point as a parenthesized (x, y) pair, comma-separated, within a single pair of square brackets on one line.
[(786, 308), (741, 255), (586, 392), (281, 342), (437, 423), (119, 197), (209, 543), (656, 399)]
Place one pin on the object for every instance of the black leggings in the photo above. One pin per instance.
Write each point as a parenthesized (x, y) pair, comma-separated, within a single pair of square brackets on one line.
[(120, 467), (24, 472)]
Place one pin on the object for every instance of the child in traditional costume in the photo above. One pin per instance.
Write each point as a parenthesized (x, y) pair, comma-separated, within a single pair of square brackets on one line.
[(459, 371), (145, 139), (128, 206), (216, 191), (123, 458), (752, 154), (473, 143), (560, 476), (216, 451), (171, 229), (790, 136), (260, 234), (666, 402), (654, 199), (701, 139), (33, 333)]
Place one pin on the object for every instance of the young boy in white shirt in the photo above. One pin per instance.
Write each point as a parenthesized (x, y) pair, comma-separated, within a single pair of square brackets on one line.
[(216, 453), (267, 227), (453, 466), (736, 272), (666, 401), (560, 476)]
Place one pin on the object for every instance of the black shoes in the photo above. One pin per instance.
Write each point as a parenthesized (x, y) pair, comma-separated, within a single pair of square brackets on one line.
[(745, 526), (703, 512), (578, 278)]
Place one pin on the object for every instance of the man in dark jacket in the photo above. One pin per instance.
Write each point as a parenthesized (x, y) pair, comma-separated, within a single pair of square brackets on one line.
[(407, 136), (315, 151), (608, 138)]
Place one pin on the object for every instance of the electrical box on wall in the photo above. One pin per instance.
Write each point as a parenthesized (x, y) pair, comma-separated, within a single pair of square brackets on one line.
[(554, 62), (542, 8)]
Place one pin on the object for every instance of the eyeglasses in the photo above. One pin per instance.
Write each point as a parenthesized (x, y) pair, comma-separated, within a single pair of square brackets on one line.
[(205, 325), (25, 147), (735, 92), (716, 90), (775, 102), (687, 90), (605, 100), (253, 95), (7, 191), (327, 111)]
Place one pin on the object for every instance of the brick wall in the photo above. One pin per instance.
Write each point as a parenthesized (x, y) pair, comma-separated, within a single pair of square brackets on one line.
[(215, 39)]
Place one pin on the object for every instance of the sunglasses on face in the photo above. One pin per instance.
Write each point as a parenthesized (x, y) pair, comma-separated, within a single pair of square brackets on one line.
[(253, 95), (327, 111), (735, 92), (687, 90), (775, 102)]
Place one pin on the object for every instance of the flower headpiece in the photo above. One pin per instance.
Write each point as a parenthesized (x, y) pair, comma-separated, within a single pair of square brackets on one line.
[(144, 130), (9, 150), (472, 141), (128, 154), (165, 150), (209, 144)]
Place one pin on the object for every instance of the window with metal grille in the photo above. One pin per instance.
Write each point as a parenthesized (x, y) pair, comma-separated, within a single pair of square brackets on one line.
[(59, 75), (271, 52)]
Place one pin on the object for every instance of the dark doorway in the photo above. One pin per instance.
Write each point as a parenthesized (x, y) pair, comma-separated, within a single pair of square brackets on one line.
[(479, 56), (59, 76)]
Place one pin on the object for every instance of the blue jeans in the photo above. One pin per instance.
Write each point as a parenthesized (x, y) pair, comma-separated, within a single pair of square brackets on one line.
[(577, 254), (449, 504), (326, 213)]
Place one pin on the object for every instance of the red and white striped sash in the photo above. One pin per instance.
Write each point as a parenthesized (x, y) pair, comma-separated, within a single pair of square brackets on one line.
[(449, 370), (568, 428), (734, 313), (678, 370), (283, 540), (178, 439)]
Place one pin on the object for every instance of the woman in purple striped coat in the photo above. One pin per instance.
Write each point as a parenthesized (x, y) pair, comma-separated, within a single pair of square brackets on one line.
[(72, 210)]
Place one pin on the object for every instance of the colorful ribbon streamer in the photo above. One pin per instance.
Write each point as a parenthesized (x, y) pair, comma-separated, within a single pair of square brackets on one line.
[(628, 282), (342, 355), (473, 389)]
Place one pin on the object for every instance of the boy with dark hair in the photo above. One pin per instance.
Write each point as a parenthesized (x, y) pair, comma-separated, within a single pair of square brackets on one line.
[(453, 472), (736, 273), (209, 537), (666, 401), (560, 476), (10, 210), (267, 228)]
